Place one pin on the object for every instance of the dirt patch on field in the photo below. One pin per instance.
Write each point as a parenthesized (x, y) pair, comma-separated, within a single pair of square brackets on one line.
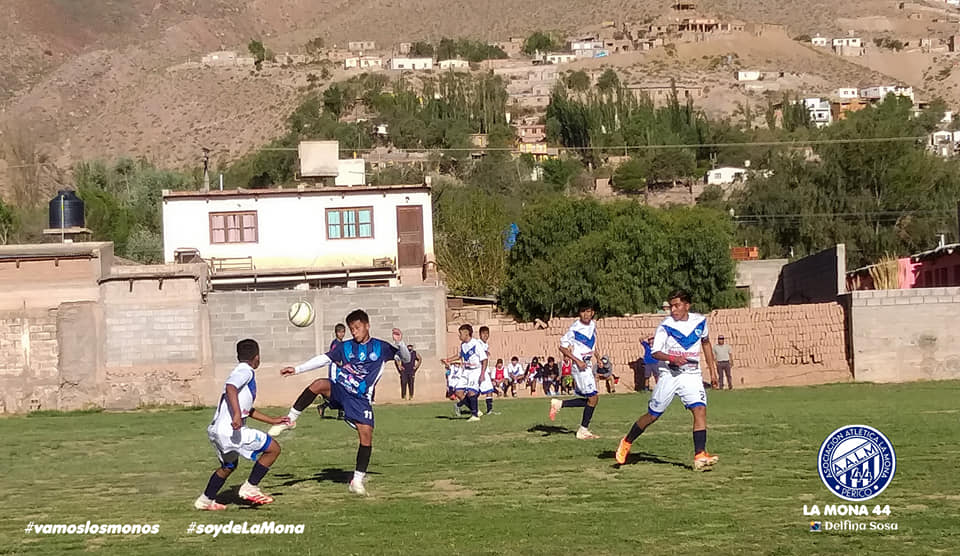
[(448, 488)]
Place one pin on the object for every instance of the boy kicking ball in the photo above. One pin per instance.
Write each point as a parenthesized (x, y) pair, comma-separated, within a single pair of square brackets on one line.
[(681, 340), (231, 438), (360, 364)]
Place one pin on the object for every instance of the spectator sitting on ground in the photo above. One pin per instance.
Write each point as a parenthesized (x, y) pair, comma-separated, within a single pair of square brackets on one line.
[(533, 375), (566, 376)]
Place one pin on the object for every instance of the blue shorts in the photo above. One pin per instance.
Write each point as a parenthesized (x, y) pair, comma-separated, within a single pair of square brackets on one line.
[(356, 409)]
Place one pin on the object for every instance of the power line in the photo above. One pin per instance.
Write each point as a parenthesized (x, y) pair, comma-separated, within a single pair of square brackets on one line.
[(653, 147), (877, 215)]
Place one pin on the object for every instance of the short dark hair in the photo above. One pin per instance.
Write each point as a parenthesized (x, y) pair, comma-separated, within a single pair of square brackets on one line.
[(339, 327), (586, 304), (550, 359), (483, 329), (682, 295), (499, 361), (247, 350), (358, 315), (466, 327), (514, 358)]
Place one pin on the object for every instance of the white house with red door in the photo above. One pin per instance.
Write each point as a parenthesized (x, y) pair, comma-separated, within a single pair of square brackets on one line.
[(334, 235)]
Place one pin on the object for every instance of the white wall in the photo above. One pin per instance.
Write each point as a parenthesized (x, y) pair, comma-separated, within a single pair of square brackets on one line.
[(351, 171), (291, 229)]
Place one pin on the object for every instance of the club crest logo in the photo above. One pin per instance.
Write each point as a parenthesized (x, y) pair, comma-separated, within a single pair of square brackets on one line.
[(856, 462), (373, 356)]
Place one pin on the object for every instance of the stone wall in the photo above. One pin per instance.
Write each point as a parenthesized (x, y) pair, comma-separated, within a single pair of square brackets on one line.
[(772, 346), (906, 335)]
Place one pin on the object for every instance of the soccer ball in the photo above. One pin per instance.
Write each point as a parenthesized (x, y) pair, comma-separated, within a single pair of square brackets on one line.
[(301, 314)]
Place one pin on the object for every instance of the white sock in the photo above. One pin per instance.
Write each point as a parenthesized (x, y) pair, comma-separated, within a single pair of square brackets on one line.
[(246, 485), (294, 414), (358, 476)]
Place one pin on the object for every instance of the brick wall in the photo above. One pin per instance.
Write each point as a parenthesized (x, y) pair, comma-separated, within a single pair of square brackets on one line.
[(771, 346), (29, 378), (417, 311), (906, 335)]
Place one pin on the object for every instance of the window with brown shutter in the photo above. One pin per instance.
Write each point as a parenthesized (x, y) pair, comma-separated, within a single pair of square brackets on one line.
[(233, 227)]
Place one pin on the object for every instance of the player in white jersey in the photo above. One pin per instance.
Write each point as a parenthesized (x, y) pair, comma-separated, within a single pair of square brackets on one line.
[(580, 345), (473, 357), (683, 341), (487, 387), (231, 438)]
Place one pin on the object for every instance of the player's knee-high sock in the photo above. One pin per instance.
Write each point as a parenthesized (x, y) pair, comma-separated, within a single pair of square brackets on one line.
[(257, 474), (587, 415), (699, 441), (363, 461), (306, 398), (474, 402), (575, 402), (490, 404), (635, 431), (213, 486)]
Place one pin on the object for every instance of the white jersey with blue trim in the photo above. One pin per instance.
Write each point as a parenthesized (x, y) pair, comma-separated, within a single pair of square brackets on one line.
[(581, 339), (473, 353), (682, 338), (243, 380)]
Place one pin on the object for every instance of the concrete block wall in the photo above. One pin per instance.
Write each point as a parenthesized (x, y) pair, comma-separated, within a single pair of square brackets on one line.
[(29, 378), (906, 335), (761, 278), (772, 346)]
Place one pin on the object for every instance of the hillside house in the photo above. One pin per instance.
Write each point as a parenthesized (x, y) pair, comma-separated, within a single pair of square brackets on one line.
[(842, 107), (227, 58), (361, 46), (725, 175), (820, 41), (404, 48), (699, 25), (749, 75), (846, 92), (415, 64), (560, 58), (589, 43), (363, 62), (530, 132), (878, 93), (661, 93), (454, 65), (852, 42), (936, 268), (819, 110)]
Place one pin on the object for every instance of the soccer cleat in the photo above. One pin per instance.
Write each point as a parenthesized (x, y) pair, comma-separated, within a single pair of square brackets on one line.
[(252, 493), (479, 413), (473, 418), (623, 450), (555, 406), (277, 429), (704, 461), (583, 433), (356, 487), (204, 503)]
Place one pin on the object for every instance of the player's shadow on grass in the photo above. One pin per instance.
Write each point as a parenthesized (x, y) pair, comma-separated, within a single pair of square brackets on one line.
[(642, 457), (330, 474), (231, 496), (451, 418), (548, 430)]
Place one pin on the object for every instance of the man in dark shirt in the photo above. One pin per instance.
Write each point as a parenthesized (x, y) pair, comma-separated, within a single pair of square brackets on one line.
[(407, 371)]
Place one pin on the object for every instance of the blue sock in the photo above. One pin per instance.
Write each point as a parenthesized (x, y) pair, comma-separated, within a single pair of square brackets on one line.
[(575, 402), (213, 486), (489, 405), (257, 473), (699, 441), (587, 415)]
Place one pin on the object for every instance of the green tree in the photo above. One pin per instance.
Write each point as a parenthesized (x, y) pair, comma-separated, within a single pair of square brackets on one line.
[(315, 46), (561, 173), (608, 82), (421, 49), (9, 224), (258, 52), (577, 81), (632, 175), (539, 42)]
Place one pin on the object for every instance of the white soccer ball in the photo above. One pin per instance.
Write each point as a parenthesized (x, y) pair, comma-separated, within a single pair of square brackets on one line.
[(301, 314)]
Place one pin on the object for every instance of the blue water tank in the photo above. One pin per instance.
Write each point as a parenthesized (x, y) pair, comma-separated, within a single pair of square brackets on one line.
[(66, 210)]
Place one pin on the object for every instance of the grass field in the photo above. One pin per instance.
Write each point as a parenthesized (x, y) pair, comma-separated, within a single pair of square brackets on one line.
[(513, 483)]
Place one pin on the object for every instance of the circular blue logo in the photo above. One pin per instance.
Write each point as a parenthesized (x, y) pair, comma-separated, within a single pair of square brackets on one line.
[(856, 462)]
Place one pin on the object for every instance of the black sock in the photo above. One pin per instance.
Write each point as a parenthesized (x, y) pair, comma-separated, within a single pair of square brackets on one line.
[(474, 405), (306, 398), (587, 415), (489, 405), (363, 457), (699, 441), (214, 485), (465, 402), (635, 431), (257, 473), (575, 402)]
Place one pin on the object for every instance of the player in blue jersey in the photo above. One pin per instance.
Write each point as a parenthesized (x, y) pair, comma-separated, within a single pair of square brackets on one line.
[(580, 345), (231, 438), (682, 340), (359, 366)]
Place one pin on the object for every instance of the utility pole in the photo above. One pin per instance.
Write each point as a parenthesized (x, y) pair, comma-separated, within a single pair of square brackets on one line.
[(206, 169)]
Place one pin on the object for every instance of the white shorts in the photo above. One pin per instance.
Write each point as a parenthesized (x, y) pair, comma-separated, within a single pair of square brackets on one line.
[(486, 385), (689, 386), (584, 383), (245, 441), (470, 380)]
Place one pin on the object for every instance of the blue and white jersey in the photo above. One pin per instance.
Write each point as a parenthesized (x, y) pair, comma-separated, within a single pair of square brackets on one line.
[(682, 338), (473, 353), (581, 339), (360, 365), (243, 380)]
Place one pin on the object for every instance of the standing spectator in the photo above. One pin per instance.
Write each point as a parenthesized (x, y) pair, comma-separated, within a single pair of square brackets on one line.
[(407, 371), (605, 372), (533, 375), (551, 377), (566, 376), (339, 331), (721, 353), (514, 376), (664, 308), (651, 365)]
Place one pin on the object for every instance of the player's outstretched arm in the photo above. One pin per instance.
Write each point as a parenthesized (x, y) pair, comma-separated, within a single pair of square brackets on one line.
[(401, 347), (317, 362), (264, 418)]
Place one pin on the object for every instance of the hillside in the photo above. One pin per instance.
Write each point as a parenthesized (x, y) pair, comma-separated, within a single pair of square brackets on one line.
[(88, 78)]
